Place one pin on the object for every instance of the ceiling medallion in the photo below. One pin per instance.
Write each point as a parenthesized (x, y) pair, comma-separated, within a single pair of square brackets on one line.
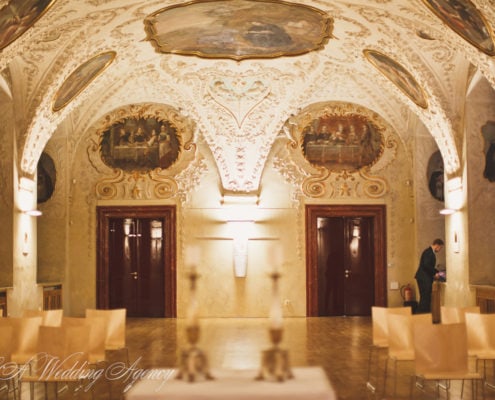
[(238, 29)]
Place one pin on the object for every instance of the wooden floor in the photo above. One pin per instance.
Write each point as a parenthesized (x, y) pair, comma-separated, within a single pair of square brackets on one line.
[(338, 344)]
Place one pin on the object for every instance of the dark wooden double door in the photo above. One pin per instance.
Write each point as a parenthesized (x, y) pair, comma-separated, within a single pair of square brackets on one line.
[(137, 262), (346, 260)]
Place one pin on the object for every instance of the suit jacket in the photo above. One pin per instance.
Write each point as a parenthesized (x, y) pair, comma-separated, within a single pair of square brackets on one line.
[(426, 270)]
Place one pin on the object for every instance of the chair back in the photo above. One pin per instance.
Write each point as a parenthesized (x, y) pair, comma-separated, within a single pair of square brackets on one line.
[(400, 343), (455, 315), (25, 337), (440, 348), (400, 334), (480, 329), (6, 333), (49, 317), (379, 322), (97, 331), (68, 344), (115, 326)]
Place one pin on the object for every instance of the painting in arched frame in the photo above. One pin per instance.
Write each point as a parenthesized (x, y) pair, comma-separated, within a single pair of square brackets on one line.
[(140, 144), (341, 142)]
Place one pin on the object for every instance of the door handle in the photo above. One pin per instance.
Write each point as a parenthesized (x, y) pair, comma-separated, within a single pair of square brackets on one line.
[(347, 273), (134, 274)]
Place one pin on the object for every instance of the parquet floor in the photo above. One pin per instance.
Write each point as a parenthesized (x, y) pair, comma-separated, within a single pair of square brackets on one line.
[(338, 344)]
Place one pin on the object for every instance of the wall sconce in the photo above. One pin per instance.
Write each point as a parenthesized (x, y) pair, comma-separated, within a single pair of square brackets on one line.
[(25, 245), (448, 211), (33, 213), (240, 234)]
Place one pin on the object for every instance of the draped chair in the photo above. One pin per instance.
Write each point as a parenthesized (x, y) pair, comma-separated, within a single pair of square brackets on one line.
[(400, 342), (380, 338), (441, 355), (455, 315)]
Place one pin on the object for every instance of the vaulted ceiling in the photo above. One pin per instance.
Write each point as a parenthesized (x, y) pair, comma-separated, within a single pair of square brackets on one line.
[(240, 106)]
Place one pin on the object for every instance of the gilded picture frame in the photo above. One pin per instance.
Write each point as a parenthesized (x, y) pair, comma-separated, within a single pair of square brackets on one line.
[(396, 73), (140, 143), (16, 17), (238, 29), (341, 142), (466, 20), (80, 78)]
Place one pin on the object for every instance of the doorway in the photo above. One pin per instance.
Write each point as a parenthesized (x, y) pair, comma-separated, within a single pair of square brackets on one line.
[(346, 261), (136, 262)]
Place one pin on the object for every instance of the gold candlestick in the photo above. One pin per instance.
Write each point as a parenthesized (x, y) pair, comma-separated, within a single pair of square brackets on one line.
[(193, 361), (275, 361)]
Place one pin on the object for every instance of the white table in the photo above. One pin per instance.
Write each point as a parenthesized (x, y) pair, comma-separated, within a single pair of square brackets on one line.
[(309, 383)]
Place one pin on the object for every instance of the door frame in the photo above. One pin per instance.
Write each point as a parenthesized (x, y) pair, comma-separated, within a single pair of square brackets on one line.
[(168, 213), (378, 214)]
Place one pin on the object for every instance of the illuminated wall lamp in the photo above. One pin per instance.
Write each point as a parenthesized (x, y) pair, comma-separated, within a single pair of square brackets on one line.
[(33, 213), (240, 237), (448, 211)]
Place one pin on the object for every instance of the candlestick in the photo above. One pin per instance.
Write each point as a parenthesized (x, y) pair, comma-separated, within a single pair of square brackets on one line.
[(192, 258), (276, 317), (193, 361), (275, 361)]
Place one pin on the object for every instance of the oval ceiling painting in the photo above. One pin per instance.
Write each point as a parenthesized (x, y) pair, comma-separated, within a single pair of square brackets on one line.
[(16, 17), (238, 29), (80, 78), (341, 142), (140, 144), (466, 20)]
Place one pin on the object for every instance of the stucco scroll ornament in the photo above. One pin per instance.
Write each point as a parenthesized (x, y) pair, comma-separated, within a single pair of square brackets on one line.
[(373, 186), (238, 95)]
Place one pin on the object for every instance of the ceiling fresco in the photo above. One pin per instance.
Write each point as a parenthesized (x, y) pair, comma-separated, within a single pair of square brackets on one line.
[(240, 92)]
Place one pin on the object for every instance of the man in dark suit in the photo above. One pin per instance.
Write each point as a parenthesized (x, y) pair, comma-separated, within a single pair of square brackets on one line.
[(425, 275)]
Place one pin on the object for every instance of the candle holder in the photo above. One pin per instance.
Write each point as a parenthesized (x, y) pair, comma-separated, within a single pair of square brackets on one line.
[(275, 361), (193, 363)]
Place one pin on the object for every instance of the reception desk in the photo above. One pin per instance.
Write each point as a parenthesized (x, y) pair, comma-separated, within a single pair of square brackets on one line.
[(309, 383)]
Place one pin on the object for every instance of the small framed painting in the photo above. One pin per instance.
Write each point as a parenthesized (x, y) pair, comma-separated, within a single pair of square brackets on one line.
[(395, 72), (466, 20), (80, 78), (16, 17)]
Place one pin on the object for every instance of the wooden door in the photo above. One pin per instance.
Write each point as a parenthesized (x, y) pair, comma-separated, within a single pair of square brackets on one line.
[(346, 259), (135, 262), (136, 266), (345, 266)]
